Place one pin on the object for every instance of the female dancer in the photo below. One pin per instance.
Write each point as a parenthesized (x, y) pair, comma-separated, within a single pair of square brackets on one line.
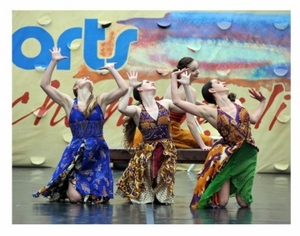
[(83, 174), (230, 165), (150, 174), (185, 138)]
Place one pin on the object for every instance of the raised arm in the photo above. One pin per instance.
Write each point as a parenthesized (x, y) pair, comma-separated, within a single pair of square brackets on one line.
[(60, 98), (130, 110), (115, 94), (188, 105), (193, 127), (191, 121), (205, 112), (254, 117)]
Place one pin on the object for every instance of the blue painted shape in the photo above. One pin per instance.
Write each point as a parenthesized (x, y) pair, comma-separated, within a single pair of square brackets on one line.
[(68, 36), (20, 36)]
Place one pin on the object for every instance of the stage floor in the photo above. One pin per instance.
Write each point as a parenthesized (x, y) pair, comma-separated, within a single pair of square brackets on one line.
[(271, 195)]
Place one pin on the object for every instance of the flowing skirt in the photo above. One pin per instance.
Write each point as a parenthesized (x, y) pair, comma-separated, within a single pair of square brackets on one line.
[(150, 174), (86, 164), (239, 168)]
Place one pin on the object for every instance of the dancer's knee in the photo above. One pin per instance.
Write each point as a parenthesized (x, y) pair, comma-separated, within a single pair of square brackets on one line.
[(74, 199), (241, 202), (223, 194), (223, 201), (73, 195)]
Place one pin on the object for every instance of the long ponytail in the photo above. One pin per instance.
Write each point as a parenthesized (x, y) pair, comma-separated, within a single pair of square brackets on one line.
[(129, 126)]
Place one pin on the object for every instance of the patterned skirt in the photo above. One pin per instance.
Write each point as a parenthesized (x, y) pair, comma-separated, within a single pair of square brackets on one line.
[(85, 164), (150, 174), (239, 168)]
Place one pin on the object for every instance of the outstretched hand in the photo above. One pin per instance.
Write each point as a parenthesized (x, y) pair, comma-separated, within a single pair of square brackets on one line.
[(256, 95), (108, 65), (185, 78), (132, 77), (56, 56)]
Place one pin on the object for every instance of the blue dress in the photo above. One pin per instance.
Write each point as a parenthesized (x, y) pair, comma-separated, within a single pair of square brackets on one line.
[(85, 162)]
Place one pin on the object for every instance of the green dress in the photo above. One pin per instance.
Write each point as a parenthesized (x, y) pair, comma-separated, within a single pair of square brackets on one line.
[(233, 157)]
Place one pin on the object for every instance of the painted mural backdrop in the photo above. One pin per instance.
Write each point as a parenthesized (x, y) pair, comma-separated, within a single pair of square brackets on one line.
[(244, 49)]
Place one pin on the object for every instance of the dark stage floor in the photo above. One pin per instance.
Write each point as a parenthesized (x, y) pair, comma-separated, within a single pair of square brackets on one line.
[(271, 193)]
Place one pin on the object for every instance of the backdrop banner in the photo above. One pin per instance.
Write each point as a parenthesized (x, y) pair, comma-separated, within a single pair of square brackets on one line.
[(246, 49)]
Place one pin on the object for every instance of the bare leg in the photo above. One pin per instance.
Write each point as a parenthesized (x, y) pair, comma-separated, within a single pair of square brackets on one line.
[(241, 202), (223, 194), (72, 194)]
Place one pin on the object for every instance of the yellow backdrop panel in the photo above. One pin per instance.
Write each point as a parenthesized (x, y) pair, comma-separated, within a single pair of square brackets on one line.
[(245, 49)]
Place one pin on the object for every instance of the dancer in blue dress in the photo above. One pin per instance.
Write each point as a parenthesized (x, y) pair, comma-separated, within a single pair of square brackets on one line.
[(83, 173)]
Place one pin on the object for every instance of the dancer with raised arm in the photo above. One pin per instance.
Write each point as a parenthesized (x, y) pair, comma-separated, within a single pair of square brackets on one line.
[(83, 173), (191, 137), (229, 168), (150, 175)]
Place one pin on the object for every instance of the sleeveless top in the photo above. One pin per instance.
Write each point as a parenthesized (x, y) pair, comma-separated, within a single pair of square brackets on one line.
[(154, 130)]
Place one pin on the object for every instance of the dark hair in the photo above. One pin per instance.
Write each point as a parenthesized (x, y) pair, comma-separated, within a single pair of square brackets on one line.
[(183, 63), (129, 126), (136, 93), (209, 97), (75, 90), (232, 97)]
